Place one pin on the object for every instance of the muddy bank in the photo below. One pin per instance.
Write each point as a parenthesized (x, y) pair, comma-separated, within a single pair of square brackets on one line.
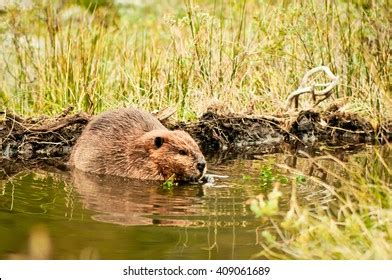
[(267, 134), (34, 139)]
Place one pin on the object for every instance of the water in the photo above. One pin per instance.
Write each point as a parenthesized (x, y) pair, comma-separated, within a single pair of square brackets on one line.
[(83, 216)]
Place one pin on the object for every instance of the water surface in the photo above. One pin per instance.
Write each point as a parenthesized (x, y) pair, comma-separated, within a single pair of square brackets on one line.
[(85, 216)]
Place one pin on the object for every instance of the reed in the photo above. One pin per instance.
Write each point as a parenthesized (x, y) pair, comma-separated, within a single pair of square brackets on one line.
[(242, 56)]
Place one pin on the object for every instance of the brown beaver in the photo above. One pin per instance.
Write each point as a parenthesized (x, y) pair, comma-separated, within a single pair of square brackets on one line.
[(133, 143)]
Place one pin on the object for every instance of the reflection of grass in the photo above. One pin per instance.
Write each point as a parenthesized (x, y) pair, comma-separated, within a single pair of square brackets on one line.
[(357, 224), (246, 54)]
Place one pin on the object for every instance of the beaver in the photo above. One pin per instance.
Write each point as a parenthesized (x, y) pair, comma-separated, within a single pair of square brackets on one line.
[(133, 143)]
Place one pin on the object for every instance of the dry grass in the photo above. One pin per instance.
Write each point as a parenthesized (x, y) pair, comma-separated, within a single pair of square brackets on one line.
[(243, 56)]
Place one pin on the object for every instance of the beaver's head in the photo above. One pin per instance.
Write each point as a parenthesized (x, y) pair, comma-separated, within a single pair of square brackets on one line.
[(175, 153)]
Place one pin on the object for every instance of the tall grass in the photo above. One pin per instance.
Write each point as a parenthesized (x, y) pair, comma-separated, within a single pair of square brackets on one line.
[(243, 56)]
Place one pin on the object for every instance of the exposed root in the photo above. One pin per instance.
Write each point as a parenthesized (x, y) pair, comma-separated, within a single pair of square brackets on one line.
[(219, 132), (52, 138), (42, 138)]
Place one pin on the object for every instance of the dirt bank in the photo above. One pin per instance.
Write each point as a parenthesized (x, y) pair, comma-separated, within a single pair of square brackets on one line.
[(33, 139)]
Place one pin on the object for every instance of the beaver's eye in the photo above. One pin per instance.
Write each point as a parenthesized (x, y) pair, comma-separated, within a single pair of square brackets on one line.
[(158, 141), (182, 152)]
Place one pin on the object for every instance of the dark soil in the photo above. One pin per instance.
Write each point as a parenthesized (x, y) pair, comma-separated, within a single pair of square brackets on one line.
[(50, 140), (272, 133), (40, 138)]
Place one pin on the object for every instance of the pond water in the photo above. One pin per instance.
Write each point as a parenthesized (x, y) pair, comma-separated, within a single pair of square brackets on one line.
[(79, 216)]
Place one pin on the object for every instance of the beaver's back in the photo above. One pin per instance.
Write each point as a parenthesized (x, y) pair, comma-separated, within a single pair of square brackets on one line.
[(122, 122)]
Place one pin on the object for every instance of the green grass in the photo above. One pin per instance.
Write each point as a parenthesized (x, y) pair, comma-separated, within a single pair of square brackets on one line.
[(355, 223), (235, 55)]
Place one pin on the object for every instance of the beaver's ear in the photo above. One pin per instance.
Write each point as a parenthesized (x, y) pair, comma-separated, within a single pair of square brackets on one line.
[(158, 141)]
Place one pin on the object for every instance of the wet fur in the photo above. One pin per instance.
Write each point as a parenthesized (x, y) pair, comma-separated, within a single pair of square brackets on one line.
[(124, 143)]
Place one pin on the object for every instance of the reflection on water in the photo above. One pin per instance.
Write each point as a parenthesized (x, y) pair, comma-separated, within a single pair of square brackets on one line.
[(88, 216), (130, 202)]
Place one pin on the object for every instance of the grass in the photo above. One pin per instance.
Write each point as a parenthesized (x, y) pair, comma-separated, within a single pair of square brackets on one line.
[(356, 223), (242, 56)]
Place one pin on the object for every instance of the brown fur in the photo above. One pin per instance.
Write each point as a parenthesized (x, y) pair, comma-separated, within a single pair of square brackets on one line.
[(133, 143)]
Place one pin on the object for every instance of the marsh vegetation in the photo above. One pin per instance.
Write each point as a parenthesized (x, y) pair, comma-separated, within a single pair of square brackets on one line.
[(243, 56), (234, 57)]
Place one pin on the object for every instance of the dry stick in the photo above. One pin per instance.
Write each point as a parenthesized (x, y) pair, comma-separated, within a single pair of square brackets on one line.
[(165, 113), (304, 87), (78, 118), (60, 123)]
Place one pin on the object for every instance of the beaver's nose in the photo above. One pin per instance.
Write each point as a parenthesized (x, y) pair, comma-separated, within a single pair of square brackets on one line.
[(201, 166)]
